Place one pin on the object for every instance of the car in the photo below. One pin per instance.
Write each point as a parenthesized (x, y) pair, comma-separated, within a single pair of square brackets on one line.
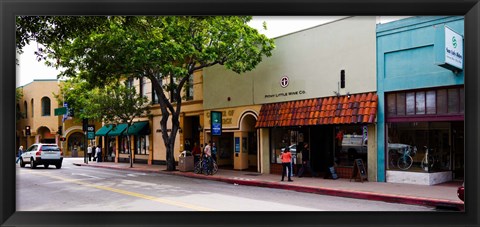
[(293, 149), (461, 192), (42, 154)]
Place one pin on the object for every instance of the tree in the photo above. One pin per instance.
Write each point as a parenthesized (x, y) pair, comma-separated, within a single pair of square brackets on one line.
[(18, 98), (114, 103), (165, 50)]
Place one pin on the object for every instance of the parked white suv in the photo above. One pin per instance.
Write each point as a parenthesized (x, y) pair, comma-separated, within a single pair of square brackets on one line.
[(42, 154)]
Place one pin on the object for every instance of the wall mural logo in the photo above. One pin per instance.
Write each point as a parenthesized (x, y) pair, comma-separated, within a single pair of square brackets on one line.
[(454, 42), (284, 81)]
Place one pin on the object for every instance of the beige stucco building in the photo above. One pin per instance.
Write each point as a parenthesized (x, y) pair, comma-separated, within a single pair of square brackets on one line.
[(37, 108), (266, 109)]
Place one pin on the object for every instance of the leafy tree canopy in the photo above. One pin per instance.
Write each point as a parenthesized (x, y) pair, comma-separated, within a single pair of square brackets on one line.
[(102, 50)]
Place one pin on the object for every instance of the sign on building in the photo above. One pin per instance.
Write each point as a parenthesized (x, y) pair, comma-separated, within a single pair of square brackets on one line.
[(449, 49)]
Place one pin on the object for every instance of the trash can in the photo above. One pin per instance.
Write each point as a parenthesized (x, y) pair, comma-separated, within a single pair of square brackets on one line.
[(185, 163), (74, 152)]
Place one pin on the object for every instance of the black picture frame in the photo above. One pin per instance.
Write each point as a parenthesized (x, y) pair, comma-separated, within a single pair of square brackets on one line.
[(8, 10)]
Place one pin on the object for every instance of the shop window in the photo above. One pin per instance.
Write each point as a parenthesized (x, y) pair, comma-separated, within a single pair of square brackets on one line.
[(449, 101), (430, 102), (410, 103), (401, 104), (420, 103), (453, 100), (391, 104), (408, 142), (351, 142), (285, 137), (141, 145), (442, 101)]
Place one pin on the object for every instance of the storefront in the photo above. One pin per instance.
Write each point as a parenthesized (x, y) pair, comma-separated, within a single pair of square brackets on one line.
[(424, 132), (421, 124), (115, 140), (337, 130), (237, 146)]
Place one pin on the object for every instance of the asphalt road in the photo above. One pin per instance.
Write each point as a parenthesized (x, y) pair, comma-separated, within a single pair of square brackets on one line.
[(82, 188)]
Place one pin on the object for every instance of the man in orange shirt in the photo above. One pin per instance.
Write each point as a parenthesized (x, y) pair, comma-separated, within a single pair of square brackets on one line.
[(286, 157)]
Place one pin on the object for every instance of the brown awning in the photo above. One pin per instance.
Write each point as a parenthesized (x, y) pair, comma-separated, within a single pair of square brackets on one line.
[(359, 108)]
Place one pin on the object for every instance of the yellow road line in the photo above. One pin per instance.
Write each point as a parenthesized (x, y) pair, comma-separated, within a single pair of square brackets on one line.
[(134, 194)]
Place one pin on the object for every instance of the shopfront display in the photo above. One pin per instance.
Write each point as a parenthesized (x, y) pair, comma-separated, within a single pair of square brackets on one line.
[(424, 131)]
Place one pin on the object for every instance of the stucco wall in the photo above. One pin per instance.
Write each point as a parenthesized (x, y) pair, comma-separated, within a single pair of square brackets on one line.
[(312, 60)]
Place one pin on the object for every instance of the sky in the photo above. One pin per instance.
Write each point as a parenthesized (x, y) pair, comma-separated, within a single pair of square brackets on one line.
[(29, 68)]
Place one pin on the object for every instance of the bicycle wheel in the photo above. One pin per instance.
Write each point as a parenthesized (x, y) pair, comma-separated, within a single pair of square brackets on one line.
[(198, 167), (427, 165), (405, 162)]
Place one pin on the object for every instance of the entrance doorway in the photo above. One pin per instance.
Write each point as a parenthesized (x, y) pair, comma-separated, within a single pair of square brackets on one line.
[(191, 131)]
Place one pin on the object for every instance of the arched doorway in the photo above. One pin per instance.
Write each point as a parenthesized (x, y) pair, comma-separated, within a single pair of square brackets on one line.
[(247, 127), (75, 143), (45, 135)]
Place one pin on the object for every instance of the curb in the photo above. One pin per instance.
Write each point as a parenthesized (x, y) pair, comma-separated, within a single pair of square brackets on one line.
[(409, 200)]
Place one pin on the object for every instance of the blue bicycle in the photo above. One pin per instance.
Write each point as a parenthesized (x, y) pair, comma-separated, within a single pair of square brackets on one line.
[(402, 158)]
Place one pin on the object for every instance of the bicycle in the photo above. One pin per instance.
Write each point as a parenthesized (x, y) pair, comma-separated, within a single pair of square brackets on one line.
[(202, 167), (427, 161), (405, 160)]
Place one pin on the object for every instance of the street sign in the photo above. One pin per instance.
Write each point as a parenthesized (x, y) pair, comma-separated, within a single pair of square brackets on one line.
[(60, 111), (91, 132)]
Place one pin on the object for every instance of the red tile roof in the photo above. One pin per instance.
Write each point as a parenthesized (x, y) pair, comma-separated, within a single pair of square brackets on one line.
[(359, 108)]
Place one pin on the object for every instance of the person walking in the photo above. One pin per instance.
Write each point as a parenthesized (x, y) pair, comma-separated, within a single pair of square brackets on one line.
[(20, 152), (98, 154), (286, 157), (306, 162), (214, 151), (89, 152), (207, 152)]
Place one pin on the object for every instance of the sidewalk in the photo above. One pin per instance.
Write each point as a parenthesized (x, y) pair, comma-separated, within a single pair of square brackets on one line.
[(442, 195)]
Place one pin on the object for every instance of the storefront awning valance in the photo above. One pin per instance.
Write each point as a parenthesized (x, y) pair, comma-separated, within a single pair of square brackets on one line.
[(117, 130), (138, 128), (103, 130), (359, 108)]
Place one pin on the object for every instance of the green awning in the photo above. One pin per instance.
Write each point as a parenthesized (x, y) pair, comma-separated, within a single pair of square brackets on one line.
[(117, 130), (138, 128), (104, 130)]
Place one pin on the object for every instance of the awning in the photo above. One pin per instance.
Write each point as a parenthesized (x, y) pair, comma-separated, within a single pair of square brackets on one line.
[(103, 130), (138, 128), (117, 130), (359, 108)]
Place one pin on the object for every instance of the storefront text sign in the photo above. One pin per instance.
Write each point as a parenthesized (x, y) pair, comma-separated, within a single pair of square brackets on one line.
[(216, 121), (449, 49)]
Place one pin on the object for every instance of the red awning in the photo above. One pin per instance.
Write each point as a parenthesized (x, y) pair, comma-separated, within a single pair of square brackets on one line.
[(359, 108)]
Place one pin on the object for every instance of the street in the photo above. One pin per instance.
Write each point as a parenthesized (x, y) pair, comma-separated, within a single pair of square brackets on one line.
[(77, 188)]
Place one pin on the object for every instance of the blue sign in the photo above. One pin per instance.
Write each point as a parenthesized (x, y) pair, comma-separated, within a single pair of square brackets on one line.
[(237, 144), (216, 123)]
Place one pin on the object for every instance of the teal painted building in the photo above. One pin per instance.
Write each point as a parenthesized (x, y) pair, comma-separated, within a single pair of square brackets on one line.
[(420, 120)]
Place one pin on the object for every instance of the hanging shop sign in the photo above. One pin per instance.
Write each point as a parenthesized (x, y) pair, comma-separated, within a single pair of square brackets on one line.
[(216, 123), (449, 49)]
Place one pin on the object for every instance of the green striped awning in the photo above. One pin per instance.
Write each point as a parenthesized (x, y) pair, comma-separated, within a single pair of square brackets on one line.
[(104, 130), (138, 128), (117, 130)]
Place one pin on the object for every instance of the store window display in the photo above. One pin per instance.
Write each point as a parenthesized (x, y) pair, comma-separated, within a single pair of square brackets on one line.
[(419, 146)]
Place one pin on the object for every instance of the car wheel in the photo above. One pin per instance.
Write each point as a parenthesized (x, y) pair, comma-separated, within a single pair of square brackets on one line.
[(58, 166), (32, 164), (22, 164), (46, 166)]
